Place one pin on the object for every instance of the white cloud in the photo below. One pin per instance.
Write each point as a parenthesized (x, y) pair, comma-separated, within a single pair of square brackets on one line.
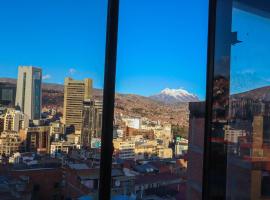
[(46, 77), (72, 71), (247, 71)]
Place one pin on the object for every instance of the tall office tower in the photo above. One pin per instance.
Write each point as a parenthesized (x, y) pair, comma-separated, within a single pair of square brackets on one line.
[(92, 121), (28, 96), (75, 93)]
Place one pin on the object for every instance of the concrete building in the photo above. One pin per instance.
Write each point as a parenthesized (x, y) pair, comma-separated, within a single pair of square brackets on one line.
[(59, 148), (132, 122), (36, 139), (180, 147), (146, 149), (195, 150), (9, 143), (163, 152), (74, 95), (28, 96), (14, 120), (124, 149), (92, 121), (2, 122), (56, 130), (83, 181)]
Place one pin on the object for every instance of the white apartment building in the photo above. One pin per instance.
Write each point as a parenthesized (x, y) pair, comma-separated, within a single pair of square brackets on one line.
[(59, 148), (132, 122)]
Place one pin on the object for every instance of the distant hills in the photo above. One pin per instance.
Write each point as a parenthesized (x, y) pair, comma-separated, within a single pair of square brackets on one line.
[(168, 106), (45, 86), (262, 93), (127, 104)]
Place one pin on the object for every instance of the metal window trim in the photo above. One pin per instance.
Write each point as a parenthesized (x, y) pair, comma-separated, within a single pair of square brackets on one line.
[(108, 101), (209, 96)]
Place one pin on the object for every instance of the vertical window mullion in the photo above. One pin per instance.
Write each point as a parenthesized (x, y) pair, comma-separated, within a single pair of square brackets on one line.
[(108, 101), (217, 101)]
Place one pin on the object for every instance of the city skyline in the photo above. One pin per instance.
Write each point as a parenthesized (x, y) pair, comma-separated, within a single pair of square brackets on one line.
[(154, 51), (66, 39)]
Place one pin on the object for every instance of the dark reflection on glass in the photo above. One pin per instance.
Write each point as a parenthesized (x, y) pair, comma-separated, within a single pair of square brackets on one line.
[(247, 131), (240, 135)]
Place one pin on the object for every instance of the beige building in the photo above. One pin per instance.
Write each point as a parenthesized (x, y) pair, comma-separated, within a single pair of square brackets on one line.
[(164, 152), (124, 149), (75, 93), (9, 143), (15, 120)]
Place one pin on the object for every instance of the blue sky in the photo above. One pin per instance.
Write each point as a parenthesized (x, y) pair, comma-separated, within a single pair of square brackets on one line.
[(250, 59), (161, 43)]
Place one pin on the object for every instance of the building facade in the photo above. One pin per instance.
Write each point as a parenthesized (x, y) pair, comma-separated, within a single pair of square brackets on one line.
[(124, 149), (7, 94), (74, 95), (36, 139), (9, 143), (92, 121), (29, 93), (14, 120)]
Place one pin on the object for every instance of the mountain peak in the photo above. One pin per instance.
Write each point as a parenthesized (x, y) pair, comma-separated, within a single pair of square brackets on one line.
[(171, 96), (175, 92)]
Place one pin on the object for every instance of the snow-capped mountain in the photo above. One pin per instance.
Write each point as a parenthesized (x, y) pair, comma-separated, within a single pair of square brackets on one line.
[(171, 96)]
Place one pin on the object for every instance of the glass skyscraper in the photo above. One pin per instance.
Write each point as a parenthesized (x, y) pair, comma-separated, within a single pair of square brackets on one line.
[(28, 96)]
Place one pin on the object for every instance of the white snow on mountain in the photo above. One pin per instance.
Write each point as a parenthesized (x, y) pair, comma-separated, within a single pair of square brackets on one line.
[(171, 96)]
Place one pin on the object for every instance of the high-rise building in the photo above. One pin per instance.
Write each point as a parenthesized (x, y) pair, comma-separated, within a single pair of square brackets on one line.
[(76, 92), (7, 94), (92, 121), (28, 96)]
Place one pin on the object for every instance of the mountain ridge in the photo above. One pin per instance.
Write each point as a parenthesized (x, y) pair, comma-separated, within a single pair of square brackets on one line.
[(127, 104), (173, 96)]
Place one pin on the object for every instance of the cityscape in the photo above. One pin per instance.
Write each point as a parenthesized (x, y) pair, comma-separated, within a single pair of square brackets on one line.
[(53, 151), (49, 151), (191, 117)]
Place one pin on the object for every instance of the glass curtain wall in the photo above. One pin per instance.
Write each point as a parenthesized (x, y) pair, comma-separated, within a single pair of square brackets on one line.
[(237, 162)]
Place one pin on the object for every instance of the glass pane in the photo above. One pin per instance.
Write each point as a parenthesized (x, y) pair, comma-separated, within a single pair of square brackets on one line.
[(247, 132), (159, 108), (51, 80), (239, 157)]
